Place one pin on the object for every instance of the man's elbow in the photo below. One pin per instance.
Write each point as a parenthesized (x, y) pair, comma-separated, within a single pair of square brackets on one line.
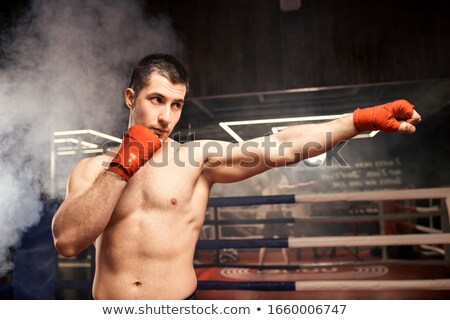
[(66, 248)]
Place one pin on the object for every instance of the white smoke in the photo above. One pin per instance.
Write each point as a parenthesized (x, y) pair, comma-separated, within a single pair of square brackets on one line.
[(66, 66)]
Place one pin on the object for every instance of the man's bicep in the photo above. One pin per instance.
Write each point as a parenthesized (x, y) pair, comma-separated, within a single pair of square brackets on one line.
[(228, 174), (234, 162)]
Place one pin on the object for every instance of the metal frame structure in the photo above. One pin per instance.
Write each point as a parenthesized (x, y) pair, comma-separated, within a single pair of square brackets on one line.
[(75, 142)]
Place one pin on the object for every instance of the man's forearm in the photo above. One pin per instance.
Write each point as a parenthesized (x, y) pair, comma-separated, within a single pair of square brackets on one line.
[(313, 139), (81, 219)]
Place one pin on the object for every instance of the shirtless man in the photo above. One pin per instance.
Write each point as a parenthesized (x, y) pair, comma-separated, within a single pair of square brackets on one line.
[(145, 209)]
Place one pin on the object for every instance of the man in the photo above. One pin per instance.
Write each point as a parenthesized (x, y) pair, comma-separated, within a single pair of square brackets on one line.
[(144, 208)]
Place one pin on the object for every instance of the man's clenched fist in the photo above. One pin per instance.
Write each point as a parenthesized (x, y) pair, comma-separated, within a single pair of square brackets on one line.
[(398, 115)]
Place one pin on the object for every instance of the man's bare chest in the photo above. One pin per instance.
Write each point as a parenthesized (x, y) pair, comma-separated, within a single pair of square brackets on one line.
[(169, 186)]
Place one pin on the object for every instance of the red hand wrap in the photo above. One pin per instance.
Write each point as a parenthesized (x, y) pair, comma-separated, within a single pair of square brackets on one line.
[(138, 146), (384, 117)]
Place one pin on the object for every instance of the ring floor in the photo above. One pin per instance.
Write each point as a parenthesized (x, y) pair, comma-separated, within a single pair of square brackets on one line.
[(375, 271)]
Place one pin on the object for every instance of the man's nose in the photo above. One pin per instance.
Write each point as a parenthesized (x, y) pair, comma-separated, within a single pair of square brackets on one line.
[(164, 115)]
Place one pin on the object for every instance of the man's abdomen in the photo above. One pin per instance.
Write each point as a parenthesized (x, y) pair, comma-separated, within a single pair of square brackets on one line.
[(146, 258)]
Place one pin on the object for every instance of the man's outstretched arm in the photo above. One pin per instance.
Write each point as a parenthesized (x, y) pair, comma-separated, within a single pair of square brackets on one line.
[(300, 142)]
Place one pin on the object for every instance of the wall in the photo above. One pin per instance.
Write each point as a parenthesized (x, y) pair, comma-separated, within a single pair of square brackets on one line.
[(233, 46)]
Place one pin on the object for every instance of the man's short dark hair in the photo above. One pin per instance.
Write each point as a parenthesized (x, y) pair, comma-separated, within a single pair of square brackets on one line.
[(163, 64)]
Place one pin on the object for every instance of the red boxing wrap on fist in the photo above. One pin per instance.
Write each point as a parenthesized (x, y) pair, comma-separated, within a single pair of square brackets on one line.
[(384, 117), (138, 146)]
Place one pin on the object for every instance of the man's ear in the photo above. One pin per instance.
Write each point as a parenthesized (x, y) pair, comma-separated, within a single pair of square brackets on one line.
[(129, 98)]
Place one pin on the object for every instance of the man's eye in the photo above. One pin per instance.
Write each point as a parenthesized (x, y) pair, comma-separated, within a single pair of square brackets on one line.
[(177, 105), (156, 100)]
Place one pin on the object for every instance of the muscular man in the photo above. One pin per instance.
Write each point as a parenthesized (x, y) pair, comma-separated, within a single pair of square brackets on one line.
[(144, 208)]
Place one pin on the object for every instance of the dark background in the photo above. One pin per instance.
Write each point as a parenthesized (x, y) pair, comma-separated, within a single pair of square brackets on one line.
[(252, 46), (243, 56)]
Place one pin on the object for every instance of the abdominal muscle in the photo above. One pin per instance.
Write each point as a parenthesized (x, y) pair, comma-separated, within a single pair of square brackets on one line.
[(146, 255), (147, 249)]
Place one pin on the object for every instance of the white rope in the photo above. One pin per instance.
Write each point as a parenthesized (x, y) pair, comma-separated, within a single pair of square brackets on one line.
[(434, 249), (383, 195), (368, 241), (437, 284), (427, 229), (433, 193)]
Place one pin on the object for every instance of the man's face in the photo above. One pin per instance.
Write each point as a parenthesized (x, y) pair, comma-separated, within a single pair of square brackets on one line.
[(158, 106)]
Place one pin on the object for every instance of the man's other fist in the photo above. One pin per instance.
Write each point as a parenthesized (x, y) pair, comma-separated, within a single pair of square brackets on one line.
[(138, 146)]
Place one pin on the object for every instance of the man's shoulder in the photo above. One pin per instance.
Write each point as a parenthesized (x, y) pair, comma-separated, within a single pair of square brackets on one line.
[(92, 166), (86, 171), (95, 161)]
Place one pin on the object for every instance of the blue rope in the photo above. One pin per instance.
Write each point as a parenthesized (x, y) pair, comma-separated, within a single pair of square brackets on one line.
[(254, 286), (249, 221), (243, 243), (248, 201)]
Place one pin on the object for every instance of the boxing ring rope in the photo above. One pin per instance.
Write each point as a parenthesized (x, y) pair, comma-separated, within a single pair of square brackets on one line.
[(330, 219), (334, 241), (432, 236), (434, 249), (324, 285), (426, 229), (409, 194), (325, 242)]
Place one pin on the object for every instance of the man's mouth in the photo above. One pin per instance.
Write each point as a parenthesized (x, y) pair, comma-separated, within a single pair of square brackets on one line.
[(159, 133)]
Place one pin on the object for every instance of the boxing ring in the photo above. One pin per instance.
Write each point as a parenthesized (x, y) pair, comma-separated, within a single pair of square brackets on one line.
[(429, 238), (37, 271)]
